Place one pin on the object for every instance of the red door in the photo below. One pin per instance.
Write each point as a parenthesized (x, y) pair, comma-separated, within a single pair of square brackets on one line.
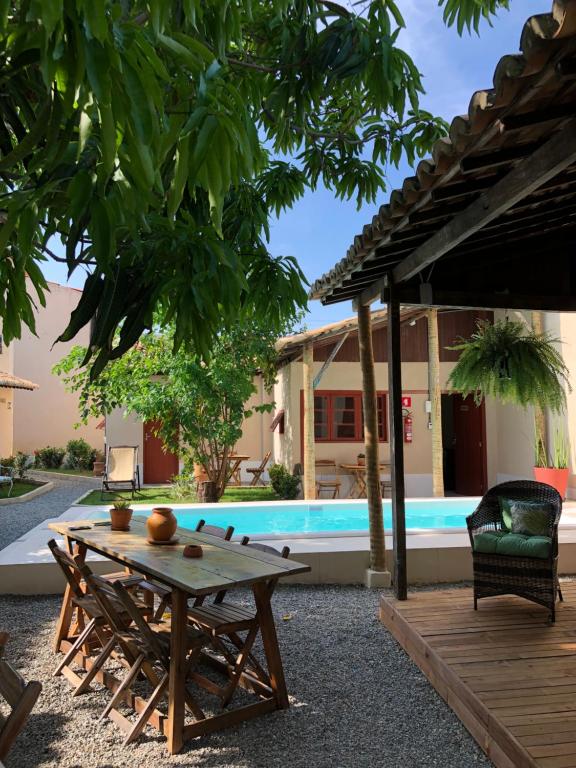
[(159, 466), (469, 446)]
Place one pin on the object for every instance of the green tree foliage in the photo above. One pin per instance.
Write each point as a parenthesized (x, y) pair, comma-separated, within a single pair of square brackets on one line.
[(512, 363), (200, 404), (155, 139)]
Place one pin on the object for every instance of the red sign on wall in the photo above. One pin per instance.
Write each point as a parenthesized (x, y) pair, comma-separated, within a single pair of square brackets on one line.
[(406, 401)]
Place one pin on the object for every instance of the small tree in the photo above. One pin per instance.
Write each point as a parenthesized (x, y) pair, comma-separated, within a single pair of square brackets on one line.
[(199, 405)]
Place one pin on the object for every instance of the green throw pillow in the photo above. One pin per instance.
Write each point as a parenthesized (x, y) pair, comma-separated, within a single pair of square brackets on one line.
[(530, 518)]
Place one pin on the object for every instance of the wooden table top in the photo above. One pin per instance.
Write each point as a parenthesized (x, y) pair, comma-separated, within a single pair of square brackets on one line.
[(224, 564), (358, 467)]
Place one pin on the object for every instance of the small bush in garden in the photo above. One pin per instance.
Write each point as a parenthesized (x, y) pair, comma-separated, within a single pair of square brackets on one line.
[(183, 486), (286, 485), (49, 457), (79, 455), (22, 463)]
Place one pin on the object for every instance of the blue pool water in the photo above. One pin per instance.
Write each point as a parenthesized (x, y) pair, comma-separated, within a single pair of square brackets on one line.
[(318, 517)]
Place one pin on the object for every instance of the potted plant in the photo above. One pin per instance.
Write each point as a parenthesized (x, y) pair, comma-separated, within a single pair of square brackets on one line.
[(120, 515), (361, 459), (554, 469)]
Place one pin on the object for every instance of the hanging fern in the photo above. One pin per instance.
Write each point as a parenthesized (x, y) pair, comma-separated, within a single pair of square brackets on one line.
[(507, 361)]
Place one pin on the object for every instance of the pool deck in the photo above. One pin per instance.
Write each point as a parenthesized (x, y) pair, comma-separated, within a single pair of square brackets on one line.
[(508, 675), (436, 556)]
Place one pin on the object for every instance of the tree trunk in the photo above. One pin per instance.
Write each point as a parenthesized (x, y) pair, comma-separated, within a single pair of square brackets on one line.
[(309, 458), (207, 492), (435, 394), (377, 543)]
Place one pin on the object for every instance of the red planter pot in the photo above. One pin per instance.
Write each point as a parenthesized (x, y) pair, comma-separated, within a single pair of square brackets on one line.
[(557, 478)]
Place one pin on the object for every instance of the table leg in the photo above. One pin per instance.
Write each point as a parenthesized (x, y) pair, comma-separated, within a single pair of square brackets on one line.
[(177, 681), (262, 596), (66, 611)]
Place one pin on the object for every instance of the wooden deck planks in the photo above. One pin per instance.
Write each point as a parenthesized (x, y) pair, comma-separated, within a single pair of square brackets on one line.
[(508, 676)]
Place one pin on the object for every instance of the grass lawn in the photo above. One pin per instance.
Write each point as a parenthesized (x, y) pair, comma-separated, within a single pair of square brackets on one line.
[(163, 496), (62, 471), (19, 489)]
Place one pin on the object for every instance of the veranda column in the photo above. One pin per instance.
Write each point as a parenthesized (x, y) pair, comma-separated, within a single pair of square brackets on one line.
[(377, 544), (540, 424), (396, 445), (309, 457), (435, 394)]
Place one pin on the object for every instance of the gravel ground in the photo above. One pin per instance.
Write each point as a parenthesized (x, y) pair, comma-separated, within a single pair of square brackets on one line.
[(356, 699), (17, 519)]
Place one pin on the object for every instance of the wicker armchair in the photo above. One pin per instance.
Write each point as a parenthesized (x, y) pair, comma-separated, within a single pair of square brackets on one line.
[(535, 579)]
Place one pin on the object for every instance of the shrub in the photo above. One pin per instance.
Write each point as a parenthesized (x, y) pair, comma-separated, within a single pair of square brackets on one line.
[(49, 457), (286, 485), (21, 462), (183, 486), (79, 455)]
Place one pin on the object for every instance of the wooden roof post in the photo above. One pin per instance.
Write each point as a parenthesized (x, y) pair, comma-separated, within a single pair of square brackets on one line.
[(377, 543), (309, 458), (435, 394), (396, 444)]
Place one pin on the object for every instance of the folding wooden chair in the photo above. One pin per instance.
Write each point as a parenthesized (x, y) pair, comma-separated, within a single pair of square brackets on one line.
[(20, 697), (259, 470), (85, 605), (163, 592), (146, 647), (330, 486), (223, 621)]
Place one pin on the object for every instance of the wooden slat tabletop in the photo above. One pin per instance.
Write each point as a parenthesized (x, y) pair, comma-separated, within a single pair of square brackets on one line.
[(224, 565)]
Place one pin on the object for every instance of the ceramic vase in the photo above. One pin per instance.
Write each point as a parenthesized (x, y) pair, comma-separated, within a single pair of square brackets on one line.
[(161, 524)]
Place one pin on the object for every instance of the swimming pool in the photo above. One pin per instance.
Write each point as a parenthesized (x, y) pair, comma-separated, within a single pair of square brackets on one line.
[(331, 517)]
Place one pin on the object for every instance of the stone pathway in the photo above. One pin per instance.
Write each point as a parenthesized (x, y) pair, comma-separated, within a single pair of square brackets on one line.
[(17, 519)]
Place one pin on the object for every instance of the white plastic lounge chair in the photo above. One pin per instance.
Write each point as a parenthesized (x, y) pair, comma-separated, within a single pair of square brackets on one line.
[(121, 469), (7, 477)]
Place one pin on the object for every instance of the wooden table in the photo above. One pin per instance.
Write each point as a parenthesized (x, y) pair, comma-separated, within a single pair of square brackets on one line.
[(358, 472), (234, 461), (224, 565)]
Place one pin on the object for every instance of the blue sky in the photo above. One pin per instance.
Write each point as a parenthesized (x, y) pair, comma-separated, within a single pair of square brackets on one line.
[(319, 229)]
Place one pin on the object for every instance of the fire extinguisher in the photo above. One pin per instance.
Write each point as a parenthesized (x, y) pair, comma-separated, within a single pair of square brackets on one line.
[(407, 426)]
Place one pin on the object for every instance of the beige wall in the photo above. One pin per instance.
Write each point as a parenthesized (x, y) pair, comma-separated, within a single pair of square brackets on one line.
[(6, 405), (47, 415)]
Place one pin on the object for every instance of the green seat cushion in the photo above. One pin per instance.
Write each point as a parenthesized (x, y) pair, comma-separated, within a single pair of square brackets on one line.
[(531, 518), (512, 544)]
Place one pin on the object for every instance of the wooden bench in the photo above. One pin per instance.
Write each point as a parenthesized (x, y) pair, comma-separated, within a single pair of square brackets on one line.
[(19, 695)]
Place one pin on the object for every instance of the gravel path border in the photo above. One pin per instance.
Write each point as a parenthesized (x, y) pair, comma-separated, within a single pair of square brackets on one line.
[(16, 519), (357, 699)]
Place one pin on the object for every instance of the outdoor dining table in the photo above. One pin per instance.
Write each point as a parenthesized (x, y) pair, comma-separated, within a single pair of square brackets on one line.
[(358, 472), (223, 566), (234, 461)]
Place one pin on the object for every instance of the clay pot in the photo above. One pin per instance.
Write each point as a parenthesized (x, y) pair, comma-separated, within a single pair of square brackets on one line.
[(120, 519), (161, 524)]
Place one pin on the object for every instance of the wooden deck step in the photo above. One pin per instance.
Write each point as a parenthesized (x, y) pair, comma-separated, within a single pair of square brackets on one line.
[(507, 674)]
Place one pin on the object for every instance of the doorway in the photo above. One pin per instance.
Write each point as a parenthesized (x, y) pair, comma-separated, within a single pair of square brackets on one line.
[(159, 466), (464, 440)]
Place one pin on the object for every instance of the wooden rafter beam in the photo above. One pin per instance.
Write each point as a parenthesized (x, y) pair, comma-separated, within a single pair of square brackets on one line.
[(372, 293), (546, 162), (330, 359)]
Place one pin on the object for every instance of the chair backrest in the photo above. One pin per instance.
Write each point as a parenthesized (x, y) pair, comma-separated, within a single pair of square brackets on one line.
[(121, 463), (215, 530), (522, 490), (147, 634), (265, 547), (102, 591), (69, 568), (330, 463), (265, 461), (19, 695)]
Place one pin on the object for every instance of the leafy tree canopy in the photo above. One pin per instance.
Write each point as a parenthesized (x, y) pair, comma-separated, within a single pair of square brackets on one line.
[(199, 404), (156, 139)]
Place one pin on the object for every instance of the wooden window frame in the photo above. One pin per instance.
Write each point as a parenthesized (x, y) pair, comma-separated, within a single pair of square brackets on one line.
[(331, 395)]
